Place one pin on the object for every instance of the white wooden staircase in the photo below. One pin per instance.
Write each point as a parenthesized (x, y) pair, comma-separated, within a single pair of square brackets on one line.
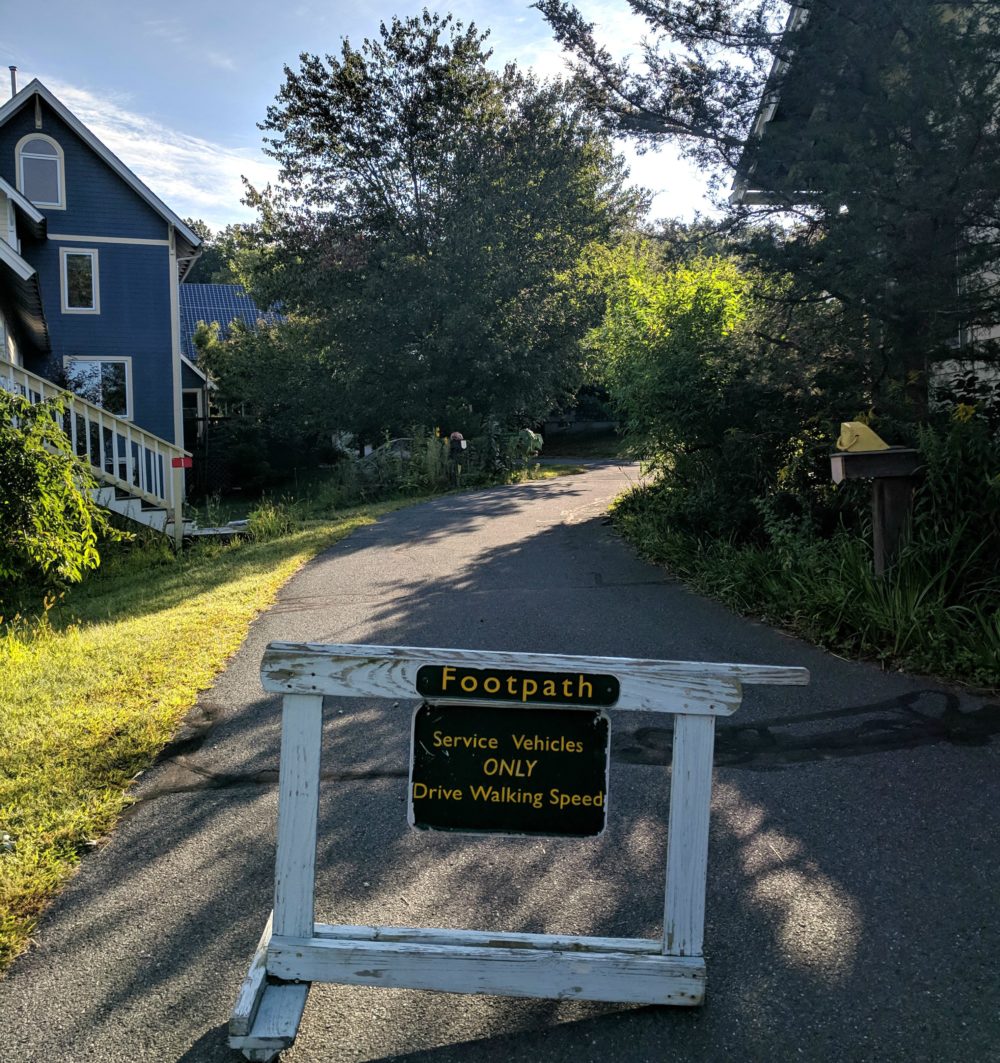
[(140, 476)]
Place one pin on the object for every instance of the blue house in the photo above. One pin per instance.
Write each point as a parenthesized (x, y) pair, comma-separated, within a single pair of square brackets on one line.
[(91, 262)]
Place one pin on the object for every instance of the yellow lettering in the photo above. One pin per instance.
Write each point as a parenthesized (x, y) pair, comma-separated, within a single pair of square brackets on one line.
[(447, 675), (525, 692), (549, 689), (531, 766), (589, 693), (567, 688), (491, 766), (438, 741), (419, 790), (494, 688), (469, 683), (512, 684)]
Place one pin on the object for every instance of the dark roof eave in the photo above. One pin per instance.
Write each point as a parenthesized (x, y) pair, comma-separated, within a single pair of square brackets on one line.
[(24, 305)]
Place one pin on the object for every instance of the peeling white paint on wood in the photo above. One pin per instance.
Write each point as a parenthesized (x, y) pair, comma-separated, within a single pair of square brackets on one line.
[(298, 809), (487, 939), (276, 1023), (391, 672), (687, 835), (248, 998), (627, 970), (516, 972)]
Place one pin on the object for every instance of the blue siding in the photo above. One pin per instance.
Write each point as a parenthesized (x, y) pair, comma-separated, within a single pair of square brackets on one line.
[(135, 317), (134, 322), (98, 201)]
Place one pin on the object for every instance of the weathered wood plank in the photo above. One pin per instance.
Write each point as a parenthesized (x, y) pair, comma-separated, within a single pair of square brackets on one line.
[(276, 1023), (487, 939), (248, 999), (515, 972), (298, 810), (687, 835), (391, 672)]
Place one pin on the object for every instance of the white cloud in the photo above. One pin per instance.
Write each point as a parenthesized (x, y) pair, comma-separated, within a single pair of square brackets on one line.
[(220, 60), (194, 177)]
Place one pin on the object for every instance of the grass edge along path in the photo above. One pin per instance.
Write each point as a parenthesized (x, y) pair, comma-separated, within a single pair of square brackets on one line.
[(89, 696)]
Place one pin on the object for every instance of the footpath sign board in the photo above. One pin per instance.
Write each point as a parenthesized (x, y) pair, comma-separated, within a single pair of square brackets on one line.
[(509, 771), (510, 743)]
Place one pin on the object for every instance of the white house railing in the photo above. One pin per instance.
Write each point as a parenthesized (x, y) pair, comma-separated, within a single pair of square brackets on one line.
[(119, 454)]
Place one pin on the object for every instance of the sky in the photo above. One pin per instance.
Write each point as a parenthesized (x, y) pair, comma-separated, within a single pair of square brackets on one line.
[(176, 91)]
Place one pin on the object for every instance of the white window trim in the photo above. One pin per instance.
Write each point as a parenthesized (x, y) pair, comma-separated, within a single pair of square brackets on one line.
[(126, 360), (60, 170), (64, 280)]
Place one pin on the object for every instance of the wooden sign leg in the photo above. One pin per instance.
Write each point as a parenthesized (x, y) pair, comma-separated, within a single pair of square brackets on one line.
[(267, 1013), (687, 838), (298, 812)]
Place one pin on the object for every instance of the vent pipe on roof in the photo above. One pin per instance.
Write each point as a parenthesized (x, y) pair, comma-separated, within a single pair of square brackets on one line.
[(13, 81)]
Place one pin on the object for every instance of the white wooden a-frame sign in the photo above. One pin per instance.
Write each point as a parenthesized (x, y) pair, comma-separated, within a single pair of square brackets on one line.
[(294, 950)]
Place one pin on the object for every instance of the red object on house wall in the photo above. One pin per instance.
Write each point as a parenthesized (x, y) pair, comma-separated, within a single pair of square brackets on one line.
[(181, 463)]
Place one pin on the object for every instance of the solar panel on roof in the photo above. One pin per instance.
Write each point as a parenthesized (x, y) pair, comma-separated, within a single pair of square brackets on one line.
[(217, 302)]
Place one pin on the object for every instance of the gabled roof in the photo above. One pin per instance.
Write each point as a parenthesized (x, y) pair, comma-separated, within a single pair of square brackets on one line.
[(36, 88), (743, 190), (33, 218), (223, 303)]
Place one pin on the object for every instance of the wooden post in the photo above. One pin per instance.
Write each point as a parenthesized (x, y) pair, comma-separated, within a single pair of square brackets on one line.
[(177, 504), (892, 501), (298, 813), (687, 835), (891, 472)]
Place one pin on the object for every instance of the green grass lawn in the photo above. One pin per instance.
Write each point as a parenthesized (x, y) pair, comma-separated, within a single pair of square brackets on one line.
[(90, 695)]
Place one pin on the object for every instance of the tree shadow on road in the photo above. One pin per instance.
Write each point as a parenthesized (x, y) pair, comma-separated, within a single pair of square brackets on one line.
[(831, 882)]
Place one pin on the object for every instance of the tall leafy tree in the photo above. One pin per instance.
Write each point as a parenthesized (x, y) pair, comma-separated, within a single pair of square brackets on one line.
[(218, 262), (882, 151), (427, 213)]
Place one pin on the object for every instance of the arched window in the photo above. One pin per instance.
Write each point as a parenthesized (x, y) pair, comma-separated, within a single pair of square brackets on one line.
[(40, 173)]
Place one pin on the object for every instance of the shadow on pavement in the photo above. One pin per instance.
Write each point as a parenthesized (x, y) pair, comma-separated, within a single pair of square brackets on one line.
[(851, 896)]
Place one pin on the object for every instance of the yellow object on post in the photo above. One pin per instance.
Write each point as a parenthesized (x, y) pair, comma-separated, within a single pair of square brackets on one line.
[(855, 436)]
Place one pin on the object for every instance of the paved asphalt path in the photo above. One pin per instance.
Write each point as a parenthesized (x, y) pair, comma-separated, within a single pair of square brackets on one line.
[(853, 873)]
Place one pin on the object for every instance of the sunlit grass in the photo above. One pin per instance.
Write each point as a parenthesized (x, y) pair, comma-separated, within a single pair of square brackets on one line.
[(91, 693)]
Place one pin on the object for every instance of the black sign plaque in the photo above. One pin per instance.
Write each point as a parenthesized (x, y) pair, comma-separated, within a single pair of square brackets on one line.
[(486, 770), (516, 685)]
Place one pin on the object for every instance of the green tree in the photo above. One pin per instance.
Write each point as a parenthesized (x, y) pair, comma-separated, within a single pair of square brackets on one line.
[(49, 525), (221, 255), (882, 152), (428, 214), (731, 417)]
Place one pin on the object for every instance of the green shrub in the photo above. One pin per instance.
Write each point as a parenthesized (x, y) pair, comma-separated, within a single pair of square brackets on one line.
[(270, 520), (936, 610), (49, 524)]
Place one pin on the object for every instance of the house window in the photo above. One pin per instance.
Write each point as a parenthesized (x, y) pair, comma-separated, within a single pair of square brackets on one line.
[(40, 173), (80, 282), (106, 382)]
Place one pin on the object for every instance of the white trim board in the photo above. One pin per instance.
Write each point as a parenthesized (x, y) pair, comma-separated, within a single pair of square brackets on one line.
[(13, 260), (23, 202), (109, 239)]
